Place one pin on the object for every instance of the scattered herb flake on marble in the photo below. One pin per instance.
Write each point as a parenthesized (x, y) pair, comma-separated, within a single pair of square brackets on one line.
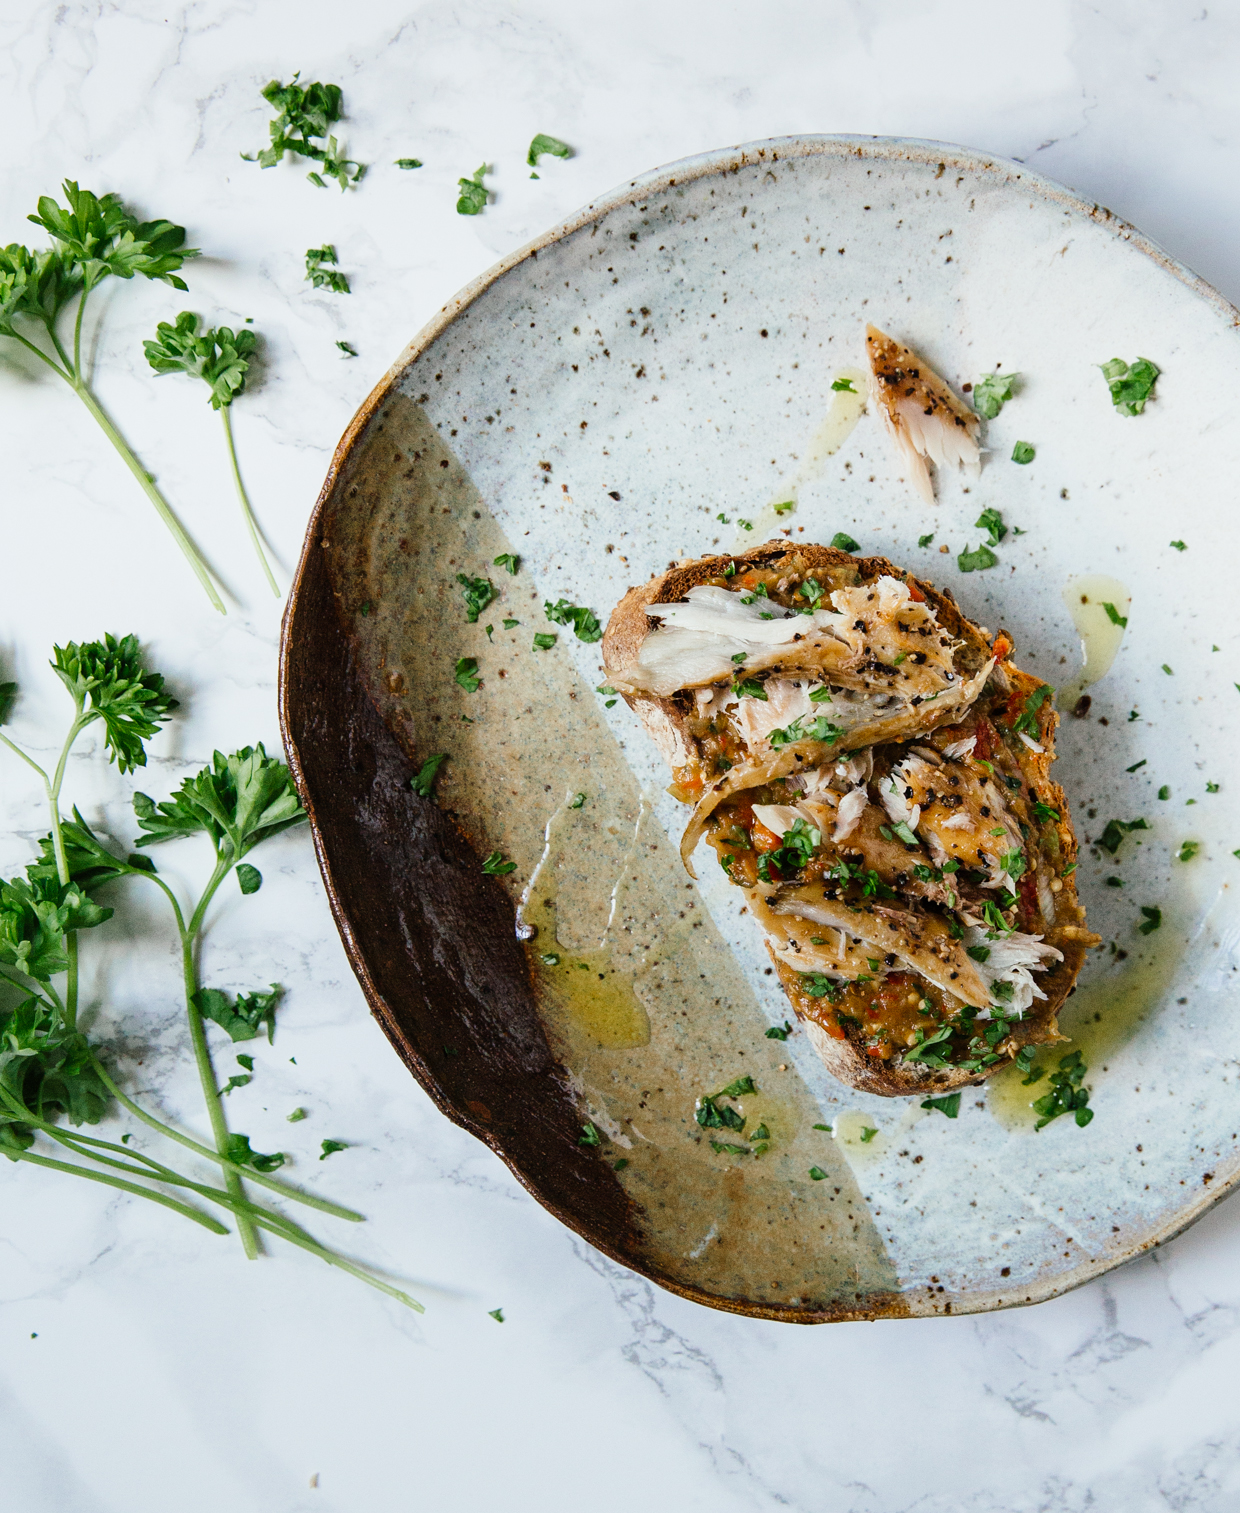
[(1023, 453), (926, 539), (497, 1314), (347, 348), (545, 146), (1180, 546), (473, 196), (320, 270), (330, 1147), (408, 162)]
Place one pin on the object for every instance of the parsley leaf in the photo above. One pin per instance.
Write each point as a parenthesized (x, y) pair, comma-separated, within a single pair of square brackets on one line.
[(991, 393), (843, 386), (408, 162), (330, 1147), (423, 781), (347, 348), (238, 1151), (1114, 616), (926, 539), (1028, 720), (804, 729), (1152, 921), (1115, 832), (1130, 386), (498, 1313), (844, 542), (107, 681), (817, 1174), (239, 801), (1188, 850), (545, 146), (544, 640), (467, 673), (584, 621), (1022, 452), (496, 866), (976, 559), (479, 592), (1180, 546), (1067, 1096), (589, 1136), (510, 560), (249, 878), (950, 1105), (322, 276), (775, 1033), (992, 521), (472, 199), (297, 1116)]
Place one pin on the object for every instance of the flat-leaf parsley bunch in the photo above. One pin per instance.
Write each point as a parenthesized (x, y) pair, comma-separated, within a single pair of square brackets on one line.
[(53, 1078)]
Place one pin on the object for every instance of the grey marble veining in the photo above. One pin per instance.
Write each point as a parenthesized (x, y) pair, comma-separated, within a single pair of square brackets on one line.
[(164, 1370)]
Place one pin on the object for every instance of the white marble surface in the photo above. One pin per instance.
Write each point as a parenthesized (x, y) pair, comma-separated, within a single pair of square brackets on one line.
[(165, 1371)]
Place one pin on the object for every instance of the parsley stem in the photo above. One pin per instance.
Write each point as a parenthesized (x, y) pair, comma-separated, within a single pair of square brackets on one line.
[(202, 1051), (29, 761), (333, 1259), (284, 1189), (247, 509), (205, 1220), (164, 509)]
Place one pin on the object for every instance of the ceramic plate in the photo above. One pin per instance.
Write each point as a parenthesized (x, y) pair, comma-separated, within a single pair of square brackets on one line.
[(630, 390)]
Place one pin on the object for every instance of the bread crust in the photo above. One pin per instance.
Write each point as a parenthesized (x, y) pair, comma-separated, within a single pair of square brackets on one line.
[(667, 723)]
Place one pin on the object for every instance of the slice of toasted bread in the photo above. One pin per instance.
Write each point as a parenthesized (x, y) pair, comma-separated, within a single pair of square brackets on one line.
[(1012, 702)]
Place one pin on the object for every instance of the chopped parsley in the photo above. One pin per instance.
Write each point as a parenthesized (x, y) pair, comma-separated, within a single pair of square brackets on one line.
[(1044, 812), (1130, 386), (950, 1105), (749, 688), (844, 542), (496, 866), (306, 111), (467, 674), (992, 521), (347, 348), (589, 1135), (1136, 765), (297, 1116), (818, 986), (1028, 720), (1211, 787), (933, 1049), (723, 519), (1152, 920), (804, 729), (322, 276), (423, 781), (584, 621), (1188, 850), (1116, 830), (1168, 671), (737, 1088), (510, 560), (408, 162), (497, 1314), (867, 1133), (905, 834), (545, 146), (975, 560), (1180, 546), (925, 540), (817, 1174), (1114, 882), (720, 1146), (578, 799), (1165, 791), (1023, 452), (549, 959), (745, 525), (544, 640), (979, 953), (775, 1033), (479, 592), (1067, 1096), (991, 393), (330, 1147), (785, 506), (472, 199), (843, 386), (1114, 616)]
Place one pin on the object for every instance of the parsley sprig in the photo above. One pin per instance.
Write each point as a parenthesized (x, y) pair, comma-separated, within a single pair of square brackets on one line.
[(50, 1072), (221, 358), (95, 238)]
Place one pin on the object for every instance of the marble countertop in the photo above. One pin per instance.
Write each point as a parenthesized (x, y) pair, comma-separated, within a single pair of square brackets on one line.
[(143, 1364)]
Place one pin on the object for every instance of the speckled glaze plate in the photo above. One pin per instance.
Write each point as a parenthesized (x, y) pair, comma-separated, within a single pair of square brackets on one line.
[(595, 404)]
